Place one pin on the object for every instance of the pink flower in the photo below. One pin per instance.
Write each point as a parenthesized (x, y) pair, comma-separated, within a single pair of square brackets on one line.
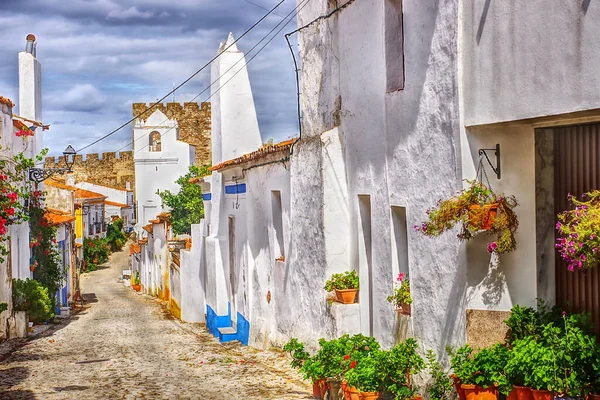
[(400, 277), (492, 247)]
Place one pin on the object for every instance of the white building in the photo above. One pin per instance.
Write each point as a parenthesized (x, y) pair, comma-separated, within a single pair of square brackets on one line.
[(393, 118), (160, 158), (118, 203)]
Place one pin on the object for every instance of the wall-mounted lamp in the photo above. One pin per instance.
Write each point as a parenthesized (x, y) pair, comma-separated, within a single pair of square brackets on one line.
[(38, 175)]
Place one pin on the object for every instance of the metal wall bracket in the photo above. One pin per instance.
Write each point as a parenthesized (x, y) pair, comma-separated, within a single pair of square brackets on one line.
[(496, 169)]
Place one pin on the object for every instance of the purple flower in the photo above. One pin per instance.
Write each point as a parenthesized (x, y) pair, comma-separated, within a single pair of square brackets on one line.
[(571, 267), (558, 225), (492, 247), (595, 249), (564, 313)]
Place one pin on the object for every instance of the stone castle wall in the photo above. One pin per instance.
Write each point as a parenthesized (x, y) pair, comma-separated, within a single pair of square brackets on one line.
[(109, 169), (194, 124)]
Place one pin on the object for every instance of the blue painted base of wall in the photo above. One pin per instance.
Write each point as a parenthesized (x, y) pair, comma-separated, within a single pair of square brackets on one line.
[(214, 322)]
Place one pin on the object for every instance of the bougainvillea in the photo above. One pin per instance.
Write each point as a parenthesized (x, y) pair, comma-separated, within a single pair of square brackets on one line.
[(476, 209), (579, 230)]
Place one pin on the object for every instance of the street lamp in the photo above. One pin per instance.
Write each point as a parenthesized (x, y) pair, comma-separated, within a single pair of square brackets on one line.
[(38, 175)]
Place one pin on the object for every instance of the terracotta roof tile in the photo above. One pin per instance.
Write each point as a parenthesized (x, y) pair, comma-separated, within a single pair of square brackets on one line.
[(6, 101), (58, 184), (57, 217), (135, 249), (82, 194), (255, 155), (148, 228), (143, 241), (114, 203)]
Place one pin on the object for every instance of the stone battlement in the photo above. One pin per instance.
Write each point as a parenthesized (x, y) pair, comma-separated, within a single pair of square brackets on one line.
[(104, 169), (193, 120)]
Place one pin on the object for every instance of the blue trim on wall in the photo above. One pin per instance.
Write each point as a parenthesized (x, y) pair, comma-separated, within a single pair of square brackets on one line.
[(214, 321), (235, 189), (207, 196), (243, 329)]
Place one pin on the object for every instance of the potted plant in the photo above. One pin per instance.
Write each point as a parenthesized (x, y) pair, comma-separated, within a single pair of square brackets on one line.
[(400, 364), (476, 209), (31, 302), (345, 286), (3, 307), (367, 373), (401, 298), (480, 373), (578, 241), (300, 357), (440, 385), (136, 281)]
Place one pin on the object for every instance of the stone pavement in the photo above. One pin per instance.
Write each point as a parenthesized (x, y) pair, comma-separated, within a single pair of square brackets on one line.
[(123, 345)]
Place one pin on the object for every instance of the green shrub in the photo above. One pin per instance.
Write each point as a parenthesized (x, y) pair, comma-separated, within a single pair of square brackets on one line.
[(3, 307), (367, 371), (400, 364), (115, 237), (345, 280), (29, 295), (297, 352), (95, 252), (440, 386)]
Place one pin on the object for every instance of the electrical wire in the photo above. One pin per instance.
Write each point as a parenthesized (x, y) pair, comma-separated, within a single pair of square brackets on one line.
[(287, 18), (184, 82)]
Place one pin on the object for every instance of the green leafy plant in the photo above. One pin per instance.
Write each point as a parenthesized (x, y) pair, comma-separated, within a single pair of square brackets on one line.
[(400, 364), (297, 352), (136, 278), (29, 295), (523, 322), (95, 252), (461, 362), (440, 385), (3, 307), (483, 368), (115, 237), (472, 209), (341, 281), (401, 292), (367, 371), (187, 206), (47, 265), (578, 242)]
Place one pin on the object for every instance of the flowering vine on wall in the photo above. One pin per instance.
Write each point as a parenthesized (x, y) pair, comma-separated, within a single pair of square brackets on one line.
[(578, 229)]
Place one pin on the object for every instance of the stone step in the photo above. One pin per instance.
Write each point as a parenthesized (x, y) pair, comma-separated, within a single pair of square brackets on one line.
[(227, 334)]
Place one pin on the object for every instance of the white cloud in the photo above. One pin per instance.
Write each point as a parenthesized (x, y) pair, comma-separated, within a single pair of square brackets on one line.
[(131, 12), (84, 97)]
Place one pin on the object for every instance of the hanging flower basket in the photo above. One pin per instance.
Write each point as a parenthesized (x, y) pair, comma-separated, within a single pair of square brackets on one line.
[(475, 209)]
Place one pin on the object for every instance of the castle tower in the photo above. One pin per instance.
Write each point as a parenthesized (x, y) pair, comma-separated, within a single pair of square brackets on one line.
[(234, 123)]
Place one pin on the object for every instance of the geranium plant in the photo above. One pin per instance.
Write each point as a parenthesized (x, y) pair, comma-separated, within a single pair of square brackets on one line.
[(401, 294), (475, 209), (579, 232), (402, 362), (342, 281)]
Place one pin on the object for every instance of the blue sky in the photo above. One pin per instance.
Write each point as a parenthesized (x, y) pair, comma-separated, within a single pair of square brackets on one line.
[(99, 56)]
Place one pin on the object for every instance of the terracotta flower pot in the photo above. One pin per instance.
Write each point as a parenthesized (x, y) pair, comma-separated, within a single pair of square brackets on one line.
[(317, 390), (346, 296), (323, 387), (334, 387), (404, 309), (512, 395), (524, 393), (491, 215), (542, 395), (594, 396), (458, 387), (369, 396), (354, 393), (474, 392)]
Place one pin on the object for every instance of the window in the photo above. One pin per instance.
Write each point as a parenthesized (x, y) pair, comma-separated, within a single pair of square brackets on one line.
[(399, 242), (394, 45), (155, 144), (277, 223)]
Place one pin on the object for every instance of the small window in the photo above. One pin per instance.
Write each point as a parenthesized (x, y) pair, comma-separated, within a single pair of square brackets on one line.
[(155, 144), (394, 45)]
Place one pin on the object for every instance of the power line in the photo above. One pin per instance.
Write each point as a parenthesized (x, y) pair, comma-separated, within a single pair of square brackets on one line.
[(296, 10), (184, 82), (264, 8)]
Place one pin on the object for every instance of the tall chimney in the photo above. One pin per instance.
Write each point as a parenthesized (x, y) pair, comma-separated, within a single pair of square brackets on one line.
[(30, 88)]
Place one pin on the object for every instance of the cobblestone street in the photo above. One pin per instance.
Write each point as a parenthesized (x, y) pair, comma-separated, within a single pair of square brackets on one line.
[(124, 346)]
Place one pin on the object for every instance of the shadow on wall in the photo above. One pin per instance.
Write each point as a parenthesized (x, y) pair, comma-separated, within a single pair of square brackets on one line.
[(486, 277)]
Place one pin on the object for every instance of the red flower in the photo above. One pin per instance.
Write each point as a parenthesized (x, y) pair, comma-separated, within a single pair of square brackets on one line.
[(353, 364), (12, 196), (46, 252), (9, 211), (346, 358)]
